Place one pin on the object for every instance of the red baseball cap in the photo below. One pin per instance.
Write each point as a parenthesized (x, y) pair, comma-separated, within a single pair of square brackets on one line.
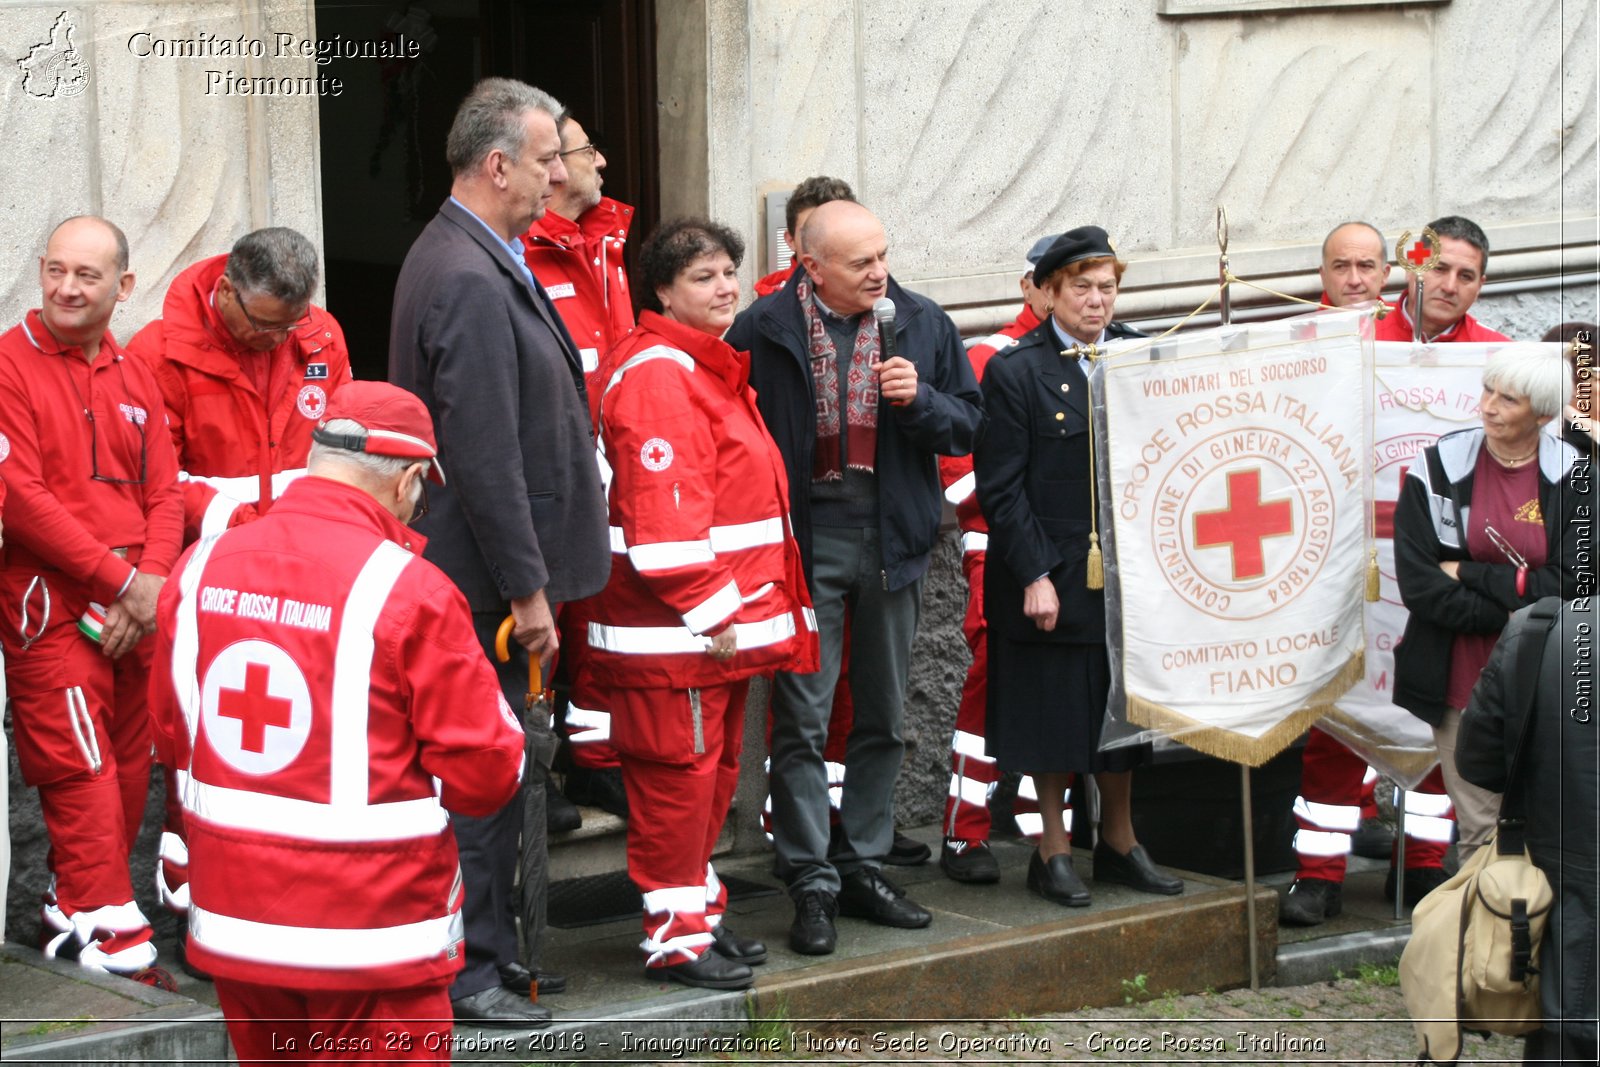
[(396, 423)]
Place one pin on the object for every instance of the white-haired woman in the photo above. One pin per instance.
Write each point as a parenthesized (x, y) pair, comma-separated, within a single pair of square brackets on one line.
[(1486, 524)]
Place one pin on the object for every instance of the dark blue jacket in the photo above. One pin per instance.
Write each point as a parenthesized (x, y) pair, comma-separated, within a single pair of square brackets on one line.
[(946, 418)]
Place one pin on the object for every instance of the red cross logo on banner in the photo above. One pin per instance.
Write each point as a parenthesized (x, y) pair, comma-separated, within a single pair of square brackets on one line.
[(255, 708), (1420, 253), (1244, 524)]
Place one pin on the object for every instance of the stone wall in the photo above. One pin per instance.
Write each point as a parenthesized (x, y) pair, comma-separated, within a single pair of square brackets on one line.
[(972, 127)]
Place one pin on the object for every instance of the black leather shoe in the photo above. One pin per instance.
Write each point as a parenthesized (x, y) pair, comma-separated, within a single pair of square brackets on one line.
[(515, 977), (1310, 901), (498, 1006), (1135, 870), (867, 894), (969, 861), (561, 816), (1420, 881), (730, 946), (601, 789), (1056, 880), (813, 933), (907, 851), (709, 970)]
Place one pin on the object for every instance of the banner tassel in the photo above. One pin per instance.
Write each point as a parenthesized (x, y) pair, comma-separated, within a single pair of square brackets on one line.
[(1372, 575), (1094, 566)]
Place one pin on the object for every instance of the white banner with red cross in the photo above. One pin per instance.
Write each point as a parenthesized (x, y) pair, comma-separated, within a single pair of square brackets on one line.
[(1421, 392), (1233, 476)]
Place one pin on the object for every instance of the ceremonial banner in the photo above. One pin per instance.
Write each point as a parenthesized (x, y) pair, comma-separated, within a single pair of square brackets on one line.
[(1421, 393), (1233, 475)]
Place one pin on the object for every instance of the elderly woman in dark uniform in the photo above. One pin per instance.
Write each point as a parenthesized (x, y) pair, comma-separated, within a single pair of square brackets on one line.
[(1048, 671)]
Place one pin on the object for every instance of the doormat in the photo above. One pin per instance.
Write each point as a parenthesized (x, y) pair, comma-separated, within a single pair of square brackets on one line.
[(604, 898)]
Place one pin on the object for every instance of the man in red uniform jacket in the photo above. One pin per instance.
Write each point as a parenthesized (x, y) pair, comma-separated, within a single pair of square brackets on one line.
[(96, 521), (575, 250), (965, 856), (1448, 290), (321, 687), (246, 365)]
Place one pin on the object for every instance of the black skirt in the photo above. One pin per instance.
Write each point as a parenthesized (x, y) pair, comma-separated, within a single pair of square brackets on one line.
[(1046, 707)]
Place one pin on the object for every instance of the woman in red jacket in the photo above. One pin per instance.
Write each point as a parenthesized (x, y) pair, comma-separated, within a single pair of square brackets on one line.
[(706, 590)]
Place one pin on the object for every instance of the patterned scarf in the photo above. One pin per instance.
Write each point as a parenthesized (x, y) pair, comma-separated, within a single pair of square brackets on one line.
[(861, 414)]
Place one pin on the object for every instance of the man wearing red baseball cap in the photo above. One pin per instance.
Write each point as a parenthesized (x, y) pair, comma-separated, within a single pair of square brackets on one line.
[(336, 676)]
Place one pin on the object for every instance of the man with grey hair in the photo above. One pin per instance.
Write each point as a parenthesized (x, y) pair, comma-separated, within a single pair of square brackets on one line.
[(246, 364), (323, 690), (522, 526)]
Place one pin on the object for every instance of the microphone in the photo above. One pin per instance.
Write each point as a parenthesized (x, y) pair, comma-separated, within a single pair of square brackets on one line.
[(883, 312)]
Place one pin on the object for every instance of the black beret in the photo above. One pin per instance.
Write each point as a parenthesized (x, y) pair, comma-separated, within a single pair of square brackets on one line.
[(1085, 242)]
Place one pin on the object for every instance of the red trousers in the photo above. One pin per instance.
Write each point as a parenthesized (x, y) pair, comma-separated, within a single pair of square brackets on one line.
[(1329, 809), (679, 750), (82, 734), (267, 1024)]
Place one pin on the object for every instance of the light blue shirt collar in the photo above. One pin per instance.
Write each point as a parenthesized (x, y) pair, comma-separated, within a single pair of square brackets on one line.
[(1066, 340), (513, 246)]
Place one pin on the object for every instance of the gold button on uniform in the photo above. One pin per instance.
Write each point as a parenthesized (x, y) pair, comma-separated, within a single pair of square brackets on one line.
[(1065, 387), (1060, 415)]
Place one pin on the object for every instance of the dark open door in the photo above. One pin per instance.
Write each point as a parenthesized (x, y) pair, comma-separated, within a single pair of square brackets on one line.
[(382, 138)]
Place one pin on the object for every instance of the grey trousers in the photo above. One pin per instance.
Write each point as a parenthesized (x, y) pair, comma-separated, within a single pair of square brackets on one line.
[(848, 578)]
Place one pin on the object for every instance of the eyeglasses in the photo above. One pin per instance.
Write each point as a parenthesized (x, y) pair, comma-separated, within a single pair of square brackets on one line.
[(591, 148), (258, 327), (422, 503), (94, 453)]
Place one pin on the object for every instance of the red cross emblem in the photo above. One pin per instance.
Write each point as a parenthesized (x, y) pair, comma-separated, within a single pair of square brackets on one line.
[(656, 455), (1244, 524), (255, 708), (1420, 252)]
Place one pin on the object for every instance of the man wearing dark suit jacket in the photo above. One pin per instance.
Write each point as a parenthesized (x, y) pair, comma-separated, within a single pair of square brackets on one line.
[(521, 527)]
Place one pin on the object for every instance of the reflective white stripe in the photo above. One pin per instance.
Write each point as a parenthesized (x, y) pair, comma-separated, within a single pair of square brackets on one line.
[(969, 790), (585, 726), (424, 450), (996, 340), (1329, 816), (713, 888), (323, 947), (835, 772), (665, 555), (1429, 828), (751, 598), (246, 490), (678, 899), (590, 358), (218, 513), (271, 814), (736, 537), (661, 640), (974, 541), (1026, 790), (722, 604), (186, 647), (118, 918), (682, 359), (1318, 843), (965, 744), (811, 619), (349, 763), (173, 849), (1434, 804), (1369, 777), (1031, 823), (961, 488)]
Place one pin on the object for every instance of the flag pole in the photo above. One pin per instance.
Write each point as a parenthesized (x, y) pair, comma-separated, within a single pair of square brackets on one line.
[(1225, 307)]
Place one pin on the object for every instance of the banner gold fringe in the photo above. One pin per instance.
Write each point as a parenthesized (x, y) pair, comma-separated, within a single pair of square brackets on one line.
[(1236, 748)]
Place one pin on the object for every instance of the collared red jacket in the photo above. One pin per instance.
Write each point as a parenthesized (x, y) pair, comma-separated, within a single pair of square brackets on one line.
[(1430, 524), (955, 472), (234, 445), (87, 463), (580, 266), (946, 418), (1396, 326), (320, 691), (700, 532)]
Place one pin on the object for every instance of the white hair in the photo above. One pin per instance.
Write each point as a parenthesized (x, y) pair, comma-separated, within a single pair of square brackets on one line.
[(1538, 372)]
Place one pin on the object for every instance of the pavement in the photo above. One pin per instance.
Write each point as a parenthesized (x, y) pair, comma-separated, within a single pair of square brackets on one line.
[(997, 963)]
